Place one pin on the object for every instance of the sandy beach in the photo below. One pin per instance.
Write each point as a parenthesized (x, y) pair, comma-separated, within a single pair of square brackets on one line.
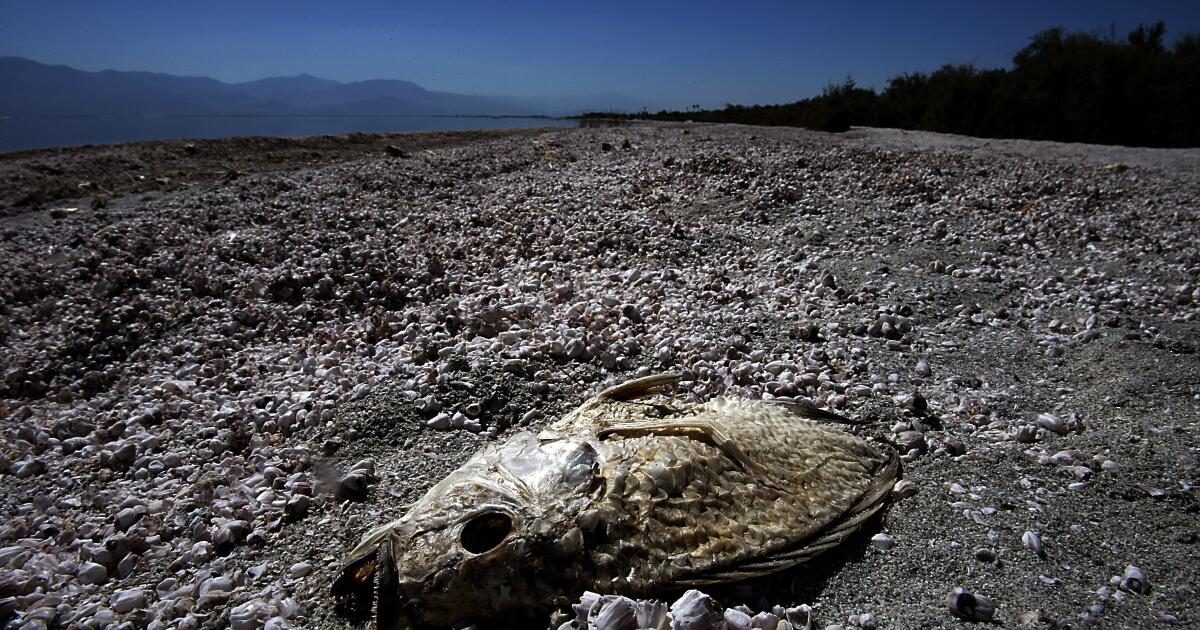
[(200, 342)]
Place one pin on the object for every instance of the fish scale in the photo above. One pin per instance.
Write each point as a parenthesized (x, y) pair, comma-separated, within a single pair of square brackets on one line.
[(624, 496)]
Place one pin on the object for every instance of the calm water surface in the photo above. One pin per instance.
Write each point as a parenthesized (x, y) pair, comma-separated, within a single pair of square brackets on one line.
[(18, 133)]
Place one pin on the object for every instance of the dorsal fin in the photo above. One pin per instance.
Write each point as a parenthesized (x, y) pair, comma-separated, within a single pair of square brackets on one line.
[(640, 387), (810, 412)]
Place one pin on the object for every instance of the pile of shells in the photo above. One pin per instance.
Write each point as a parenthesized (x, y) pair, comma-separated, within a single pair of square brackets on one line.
[(175, 371), (694, 610)]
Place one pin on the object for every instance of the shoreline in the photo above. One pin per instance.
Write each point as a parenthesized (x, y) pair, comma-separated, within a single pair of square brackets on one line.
[(33, 180)]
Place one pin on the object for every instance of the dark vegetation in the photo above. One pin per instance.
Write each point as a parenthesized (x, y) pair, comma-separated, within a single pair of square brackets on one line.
[(1072, 87)]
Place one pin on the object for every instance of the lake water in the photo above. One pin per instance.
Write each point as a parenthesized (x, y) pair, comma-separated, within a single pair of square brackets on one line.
[(18, 133)]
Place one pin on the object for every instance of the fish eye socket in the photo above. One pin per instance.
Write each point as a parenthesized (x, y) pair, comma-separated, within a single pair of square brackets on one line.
[(485, 532)]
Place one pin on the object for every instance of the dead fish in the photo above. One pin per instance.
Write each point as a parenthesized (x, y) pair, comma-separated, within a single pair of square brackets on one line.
[(625, 495)]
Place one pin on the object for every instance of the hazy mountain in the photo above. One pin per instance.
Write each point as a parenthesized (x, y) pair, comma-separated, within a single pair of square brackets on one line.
[(31, 88), (287, 89), (374, 97)]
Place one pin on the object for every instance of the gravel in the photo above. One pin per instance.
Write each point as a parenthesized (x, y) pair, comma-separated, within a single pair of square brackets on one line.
[(207, 395)]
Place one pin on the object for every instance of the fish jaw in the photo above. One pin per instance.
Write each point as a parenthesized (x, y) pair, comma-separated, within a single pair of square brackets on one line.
[(370, 566), (380, 578), (505, 582)]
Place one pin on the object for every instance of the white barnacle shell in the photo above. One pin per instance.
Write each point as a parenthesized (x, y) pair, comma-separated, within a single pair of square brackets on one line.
[(736, 619), (613, 613), (1134, 581), (440, 421), (969, 606), (1032, 542), (904, 489), (586, 602), (800, 617), (695, 610), (1051, 422), (652, 615), (1025, 434)]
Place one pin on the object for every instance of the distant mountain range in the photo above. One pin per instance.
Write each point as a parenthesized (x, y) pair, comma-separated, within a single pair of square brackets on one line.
[(29, 88)]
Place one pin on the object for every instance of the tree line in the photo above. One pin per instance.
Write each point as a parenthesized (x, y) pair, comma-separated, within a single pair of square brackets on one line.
[(1071, 87)]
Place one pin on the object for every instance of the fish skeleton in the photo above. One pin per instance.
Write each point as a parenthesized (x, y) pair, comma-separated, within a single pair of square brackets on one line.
[(625, 495)]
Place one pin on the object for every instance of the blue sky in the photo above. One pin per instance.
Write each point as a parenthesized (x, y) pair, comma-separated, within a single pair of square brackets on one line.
[(672, 54)]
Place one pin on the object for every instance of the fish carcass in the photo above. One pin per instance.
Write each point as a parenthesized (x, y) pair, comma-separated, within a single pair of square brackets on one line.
[(628, 494)]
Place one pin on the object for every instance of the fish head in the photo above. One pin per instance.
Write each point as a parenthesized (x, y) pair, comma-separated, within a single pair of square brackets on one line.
[(488, 540)]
